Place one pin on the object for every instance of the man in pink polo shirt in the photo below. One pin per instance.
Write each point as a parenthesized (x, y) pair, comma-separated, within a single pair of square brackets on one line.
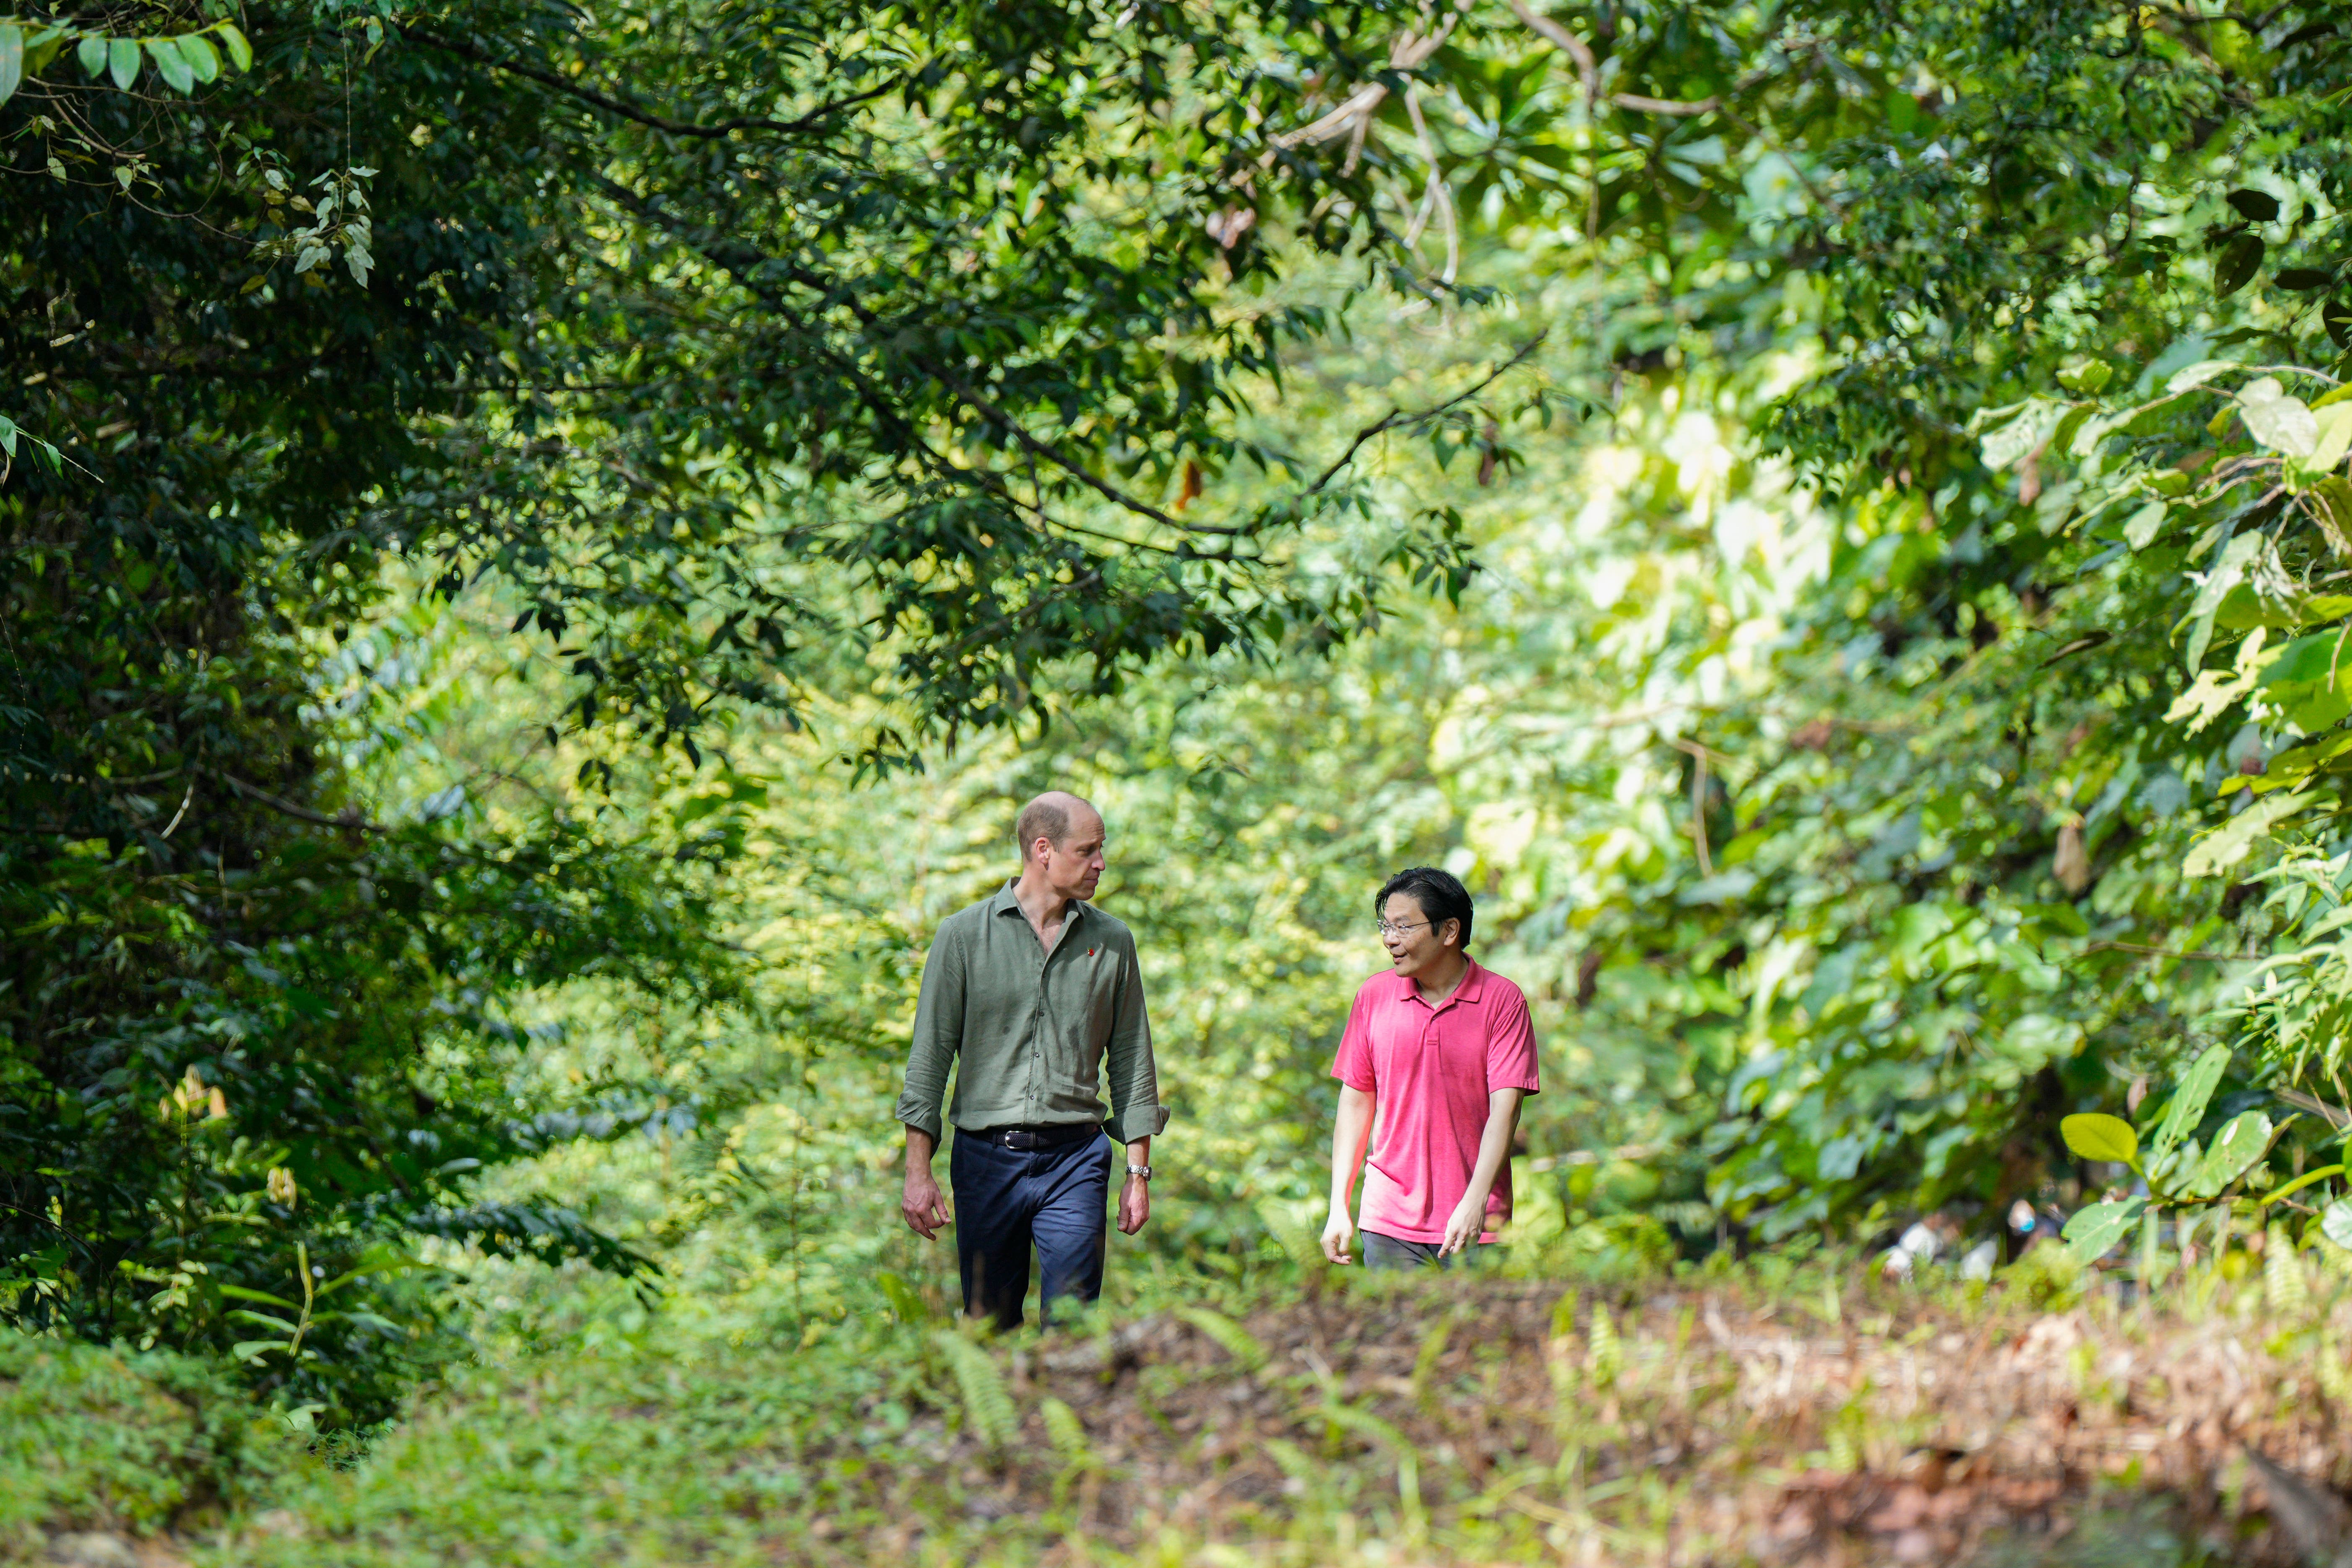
[(1441, 1051)]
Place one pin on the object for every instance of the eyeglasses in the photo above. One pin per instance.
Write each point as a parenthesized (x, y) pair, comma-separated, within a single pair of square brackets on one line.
[(1388, 928)]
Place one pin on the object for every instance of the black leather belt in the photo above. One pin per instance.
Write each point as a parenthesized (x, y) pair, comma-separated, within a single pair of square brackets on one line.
[(1052, 1137)]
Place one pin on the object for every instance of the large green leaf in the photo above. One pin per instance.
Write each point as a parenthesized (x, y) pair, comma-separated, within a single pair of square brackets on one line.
[(2278, 420), (2094, 1136), (2093, 1231), (202, 60), (240, 53), (2235, 1149), (170, 64), (2189, 1099), (12, 60)]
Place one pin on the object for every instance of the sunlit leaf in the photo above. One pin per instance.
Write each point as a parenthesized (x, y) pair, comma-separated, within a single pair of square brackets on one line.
[(2189, 1099), (2277, 420), (202, 60), (2093, 1136), (2197, 375)]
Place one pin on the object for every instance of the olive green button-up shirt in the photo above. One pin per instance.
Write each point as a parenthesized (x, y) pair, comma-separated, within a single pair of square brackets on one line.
[(1032, 1033)]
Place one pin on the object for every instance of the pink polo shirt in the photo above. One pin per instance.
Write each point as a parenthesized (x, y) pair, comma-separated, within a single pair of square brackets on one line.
[(1431, 1070)]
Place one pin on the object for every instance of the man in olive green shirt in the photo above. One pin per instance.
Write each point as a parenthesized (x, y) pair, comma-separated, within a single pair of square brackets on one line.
[(1034, 995)]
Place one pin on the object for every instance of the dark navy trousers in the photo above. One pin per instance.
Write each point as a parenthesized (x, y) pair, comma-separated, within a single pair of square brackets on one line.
[(1007, 1200)]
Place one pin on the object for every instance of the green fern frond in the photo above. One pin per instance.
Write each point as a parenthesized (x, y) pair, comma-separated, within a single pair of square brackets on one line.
[(1237, 1341), (1298, 1238), (1563, 1315), (1366, 1425), (2335, 1377), (1608, 1354), (1432, 1346), (2284, 1284), (1065, 1431), (987, 1403)]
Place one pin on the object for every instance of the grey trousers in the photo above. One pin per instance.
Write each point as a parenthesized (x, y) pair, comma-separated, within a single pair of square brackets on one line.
[(1386, 1252)]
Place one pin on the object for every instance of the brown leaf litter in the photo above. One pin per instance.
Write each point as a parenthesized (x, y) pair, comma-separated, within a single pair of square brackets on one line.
[(1509, 1421)]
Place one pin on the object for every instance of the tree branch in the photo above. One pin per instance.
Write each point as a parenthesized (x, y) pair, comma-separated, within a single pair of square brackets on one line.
[(1589, 69), (349, 817), (1408, 51), (1396, 417), (626, 110)]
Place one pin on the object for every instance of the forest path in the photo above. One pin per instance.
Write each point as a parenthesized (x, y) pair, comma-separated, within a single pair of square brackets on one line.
[(1858, 1422), (1817, 1417)]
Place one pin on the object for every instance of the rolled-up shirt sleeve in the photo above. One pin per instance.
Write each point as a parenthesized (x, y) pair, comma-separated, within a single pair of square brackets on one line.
[(1135, 1108), (938, 1031)]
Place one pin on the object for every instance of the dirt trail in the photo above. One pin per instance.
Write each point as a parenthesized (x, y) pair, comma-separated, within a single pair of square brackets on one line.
[(1495, 1419)]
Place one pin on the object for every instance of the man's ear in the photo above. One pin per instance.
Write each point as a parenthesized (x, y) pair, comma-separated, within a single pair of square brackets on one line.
[(1450, 935)]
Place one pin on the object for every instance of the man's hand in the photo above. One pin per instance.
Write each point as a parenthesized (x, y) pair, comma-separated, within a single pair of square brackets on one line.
[(1462, 1229), (921, 1202), (1338, 1231), (1134, 1206), (925, 1206)]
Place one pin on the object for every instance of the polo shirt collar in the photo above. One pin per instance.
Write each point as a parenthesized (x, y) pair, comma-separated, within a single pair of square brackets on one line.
[(1468, 993)]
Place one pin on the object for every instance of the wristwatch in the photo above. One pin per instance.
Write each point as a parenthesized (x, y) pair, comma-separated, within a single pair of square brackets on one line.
[(1142, 1171)]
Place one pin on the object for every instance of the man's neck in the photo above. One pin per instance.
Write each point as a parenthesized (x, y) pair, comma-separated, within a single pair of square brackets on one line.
[(1045, 909), (1435, 984)]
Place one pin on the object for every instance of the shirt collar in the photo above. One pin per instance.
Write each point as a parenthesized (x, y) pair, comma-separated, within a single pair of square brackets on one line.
[(1473, 985), (1004, 901)]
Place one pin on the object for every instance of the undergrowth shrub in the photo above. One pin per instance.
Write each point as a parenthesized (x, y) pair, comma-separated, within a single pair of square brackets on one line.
[(99, 1437)]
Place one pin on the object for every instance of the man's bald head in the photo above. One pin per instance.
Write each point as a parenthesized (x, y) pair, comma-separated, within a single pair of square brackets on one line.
[(1052, 816)]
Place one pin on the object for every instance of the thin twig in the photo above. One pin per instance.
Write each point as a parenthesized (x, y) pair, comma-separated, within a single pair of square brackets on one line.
[(1397, 418), (1438, 192), (176, 815), (1407, 51), (1699, 755), (349, 818), (647, 117), (2171, 952)]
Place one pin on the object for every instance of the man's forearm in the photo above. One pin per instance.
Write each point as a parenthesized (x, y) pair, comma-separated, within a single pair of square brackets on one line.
[(1351, 1131), (1494, 1142), (1138, 1151), (920, 1147)]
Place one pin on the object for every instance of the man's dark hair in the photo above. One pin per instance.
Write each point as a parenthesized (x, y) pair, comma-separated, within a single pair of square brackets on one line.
[(1440, 895)]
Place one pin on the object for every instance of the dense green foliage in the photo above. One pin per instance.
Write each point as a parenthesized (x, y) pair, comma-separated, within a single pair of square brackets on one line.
[(1929, 888), (572, 532), (413, 298)]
